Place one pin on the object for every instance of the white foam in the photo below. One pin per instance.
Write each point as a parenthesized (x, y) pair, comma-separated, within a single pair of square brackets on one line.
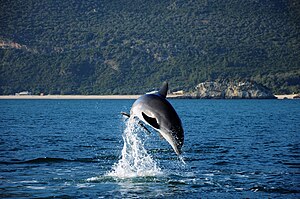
[(135, 161), (181, 158), (93, 179), (85, 185), (36, 187), (28, 181)]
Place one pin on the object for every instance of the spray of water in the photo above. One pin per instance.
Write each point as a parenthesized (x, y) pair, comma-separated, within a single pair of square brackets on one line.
[(135, 161)]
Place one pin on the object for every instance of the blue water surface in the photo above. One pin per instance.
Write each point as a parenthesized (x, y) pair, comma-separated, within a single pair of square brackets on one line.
[(232, 149)]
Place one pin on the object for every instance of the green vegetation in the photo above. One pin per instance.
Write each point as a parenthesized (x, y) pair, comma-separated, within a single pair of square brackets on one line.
[(127, 47)]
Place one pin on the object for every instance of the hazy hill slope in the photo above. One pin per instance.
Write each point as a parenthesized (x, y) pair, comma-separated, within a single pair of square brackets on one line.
[(109, 47)]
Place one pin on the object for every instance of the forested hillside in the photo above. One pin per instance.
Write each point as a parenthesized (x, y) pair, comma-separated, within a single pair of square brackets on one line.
[(131, 46)]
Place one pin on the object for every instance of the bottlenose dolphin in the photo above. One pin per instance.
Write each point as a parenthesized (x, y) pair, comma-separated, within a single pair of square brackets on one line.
[(154, 110)]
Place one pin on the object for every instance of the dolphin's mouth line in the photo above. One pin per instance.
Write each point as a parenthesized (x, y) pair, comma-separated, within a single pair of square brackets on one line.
[(171, 141)]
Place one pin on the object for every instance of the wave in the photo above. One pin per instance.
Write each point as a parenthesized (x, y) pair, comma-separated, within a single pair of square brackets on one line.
[(44, 160), (274, 190), (292, 164)]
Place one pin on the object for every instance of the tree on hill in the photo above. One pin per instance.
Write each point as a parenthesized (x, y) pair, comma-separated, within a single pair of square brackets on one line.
[(127, 47)]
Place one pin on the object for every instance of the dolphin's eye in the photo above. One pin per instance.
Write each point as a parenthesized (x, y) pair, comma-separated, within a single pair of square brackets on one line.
[(152, 121)]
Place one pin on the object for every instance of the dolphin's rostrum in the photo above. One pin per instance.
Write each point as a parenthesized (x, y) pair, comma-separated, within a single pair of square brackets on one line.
[(156, 111)]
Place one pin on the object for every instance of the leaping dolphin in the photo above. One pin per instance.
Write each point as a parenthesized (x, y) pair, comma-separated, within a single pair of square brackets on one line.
[(155, 111)]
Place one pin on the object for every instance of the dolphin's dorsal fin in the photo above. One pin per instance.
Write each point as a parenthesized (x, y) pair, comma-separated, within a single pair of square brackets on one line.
[(163, 90)]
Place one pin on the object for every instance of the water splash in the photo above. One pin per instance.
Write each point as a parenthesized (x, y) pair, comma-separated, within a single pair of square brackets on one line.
[(135, 161), (181, 158)]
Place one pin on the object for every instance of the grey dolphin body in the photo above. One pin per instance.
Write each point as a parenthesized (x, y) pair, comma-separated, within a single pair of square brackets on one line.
[(156, 111)]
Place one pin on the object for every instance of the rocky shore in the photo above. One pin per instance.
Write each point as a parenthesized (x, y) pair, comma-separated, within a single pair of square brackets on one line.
[(230, 90)]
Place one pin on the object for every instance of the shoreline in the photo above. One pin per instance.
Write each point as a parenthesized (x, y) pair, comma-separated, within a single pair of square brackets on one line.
[(108, 97), (105, 97), (291, 96)]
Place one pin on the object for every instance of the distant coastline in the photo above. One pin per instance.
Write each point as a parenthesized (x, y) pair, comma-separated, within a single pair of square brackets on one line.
[(69, 96), (291, 96), (104, 97)]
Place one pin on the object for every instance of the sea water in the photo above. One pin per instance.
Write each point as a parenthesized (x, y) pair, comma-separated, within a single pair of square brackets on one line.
[(86, 149)]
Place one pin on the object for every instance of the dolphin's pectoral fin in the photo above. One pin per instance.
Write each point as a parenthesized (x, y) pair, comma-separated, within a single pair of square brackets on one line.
[(143, 126), (140, 123), (125, 114), (152, 121)]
